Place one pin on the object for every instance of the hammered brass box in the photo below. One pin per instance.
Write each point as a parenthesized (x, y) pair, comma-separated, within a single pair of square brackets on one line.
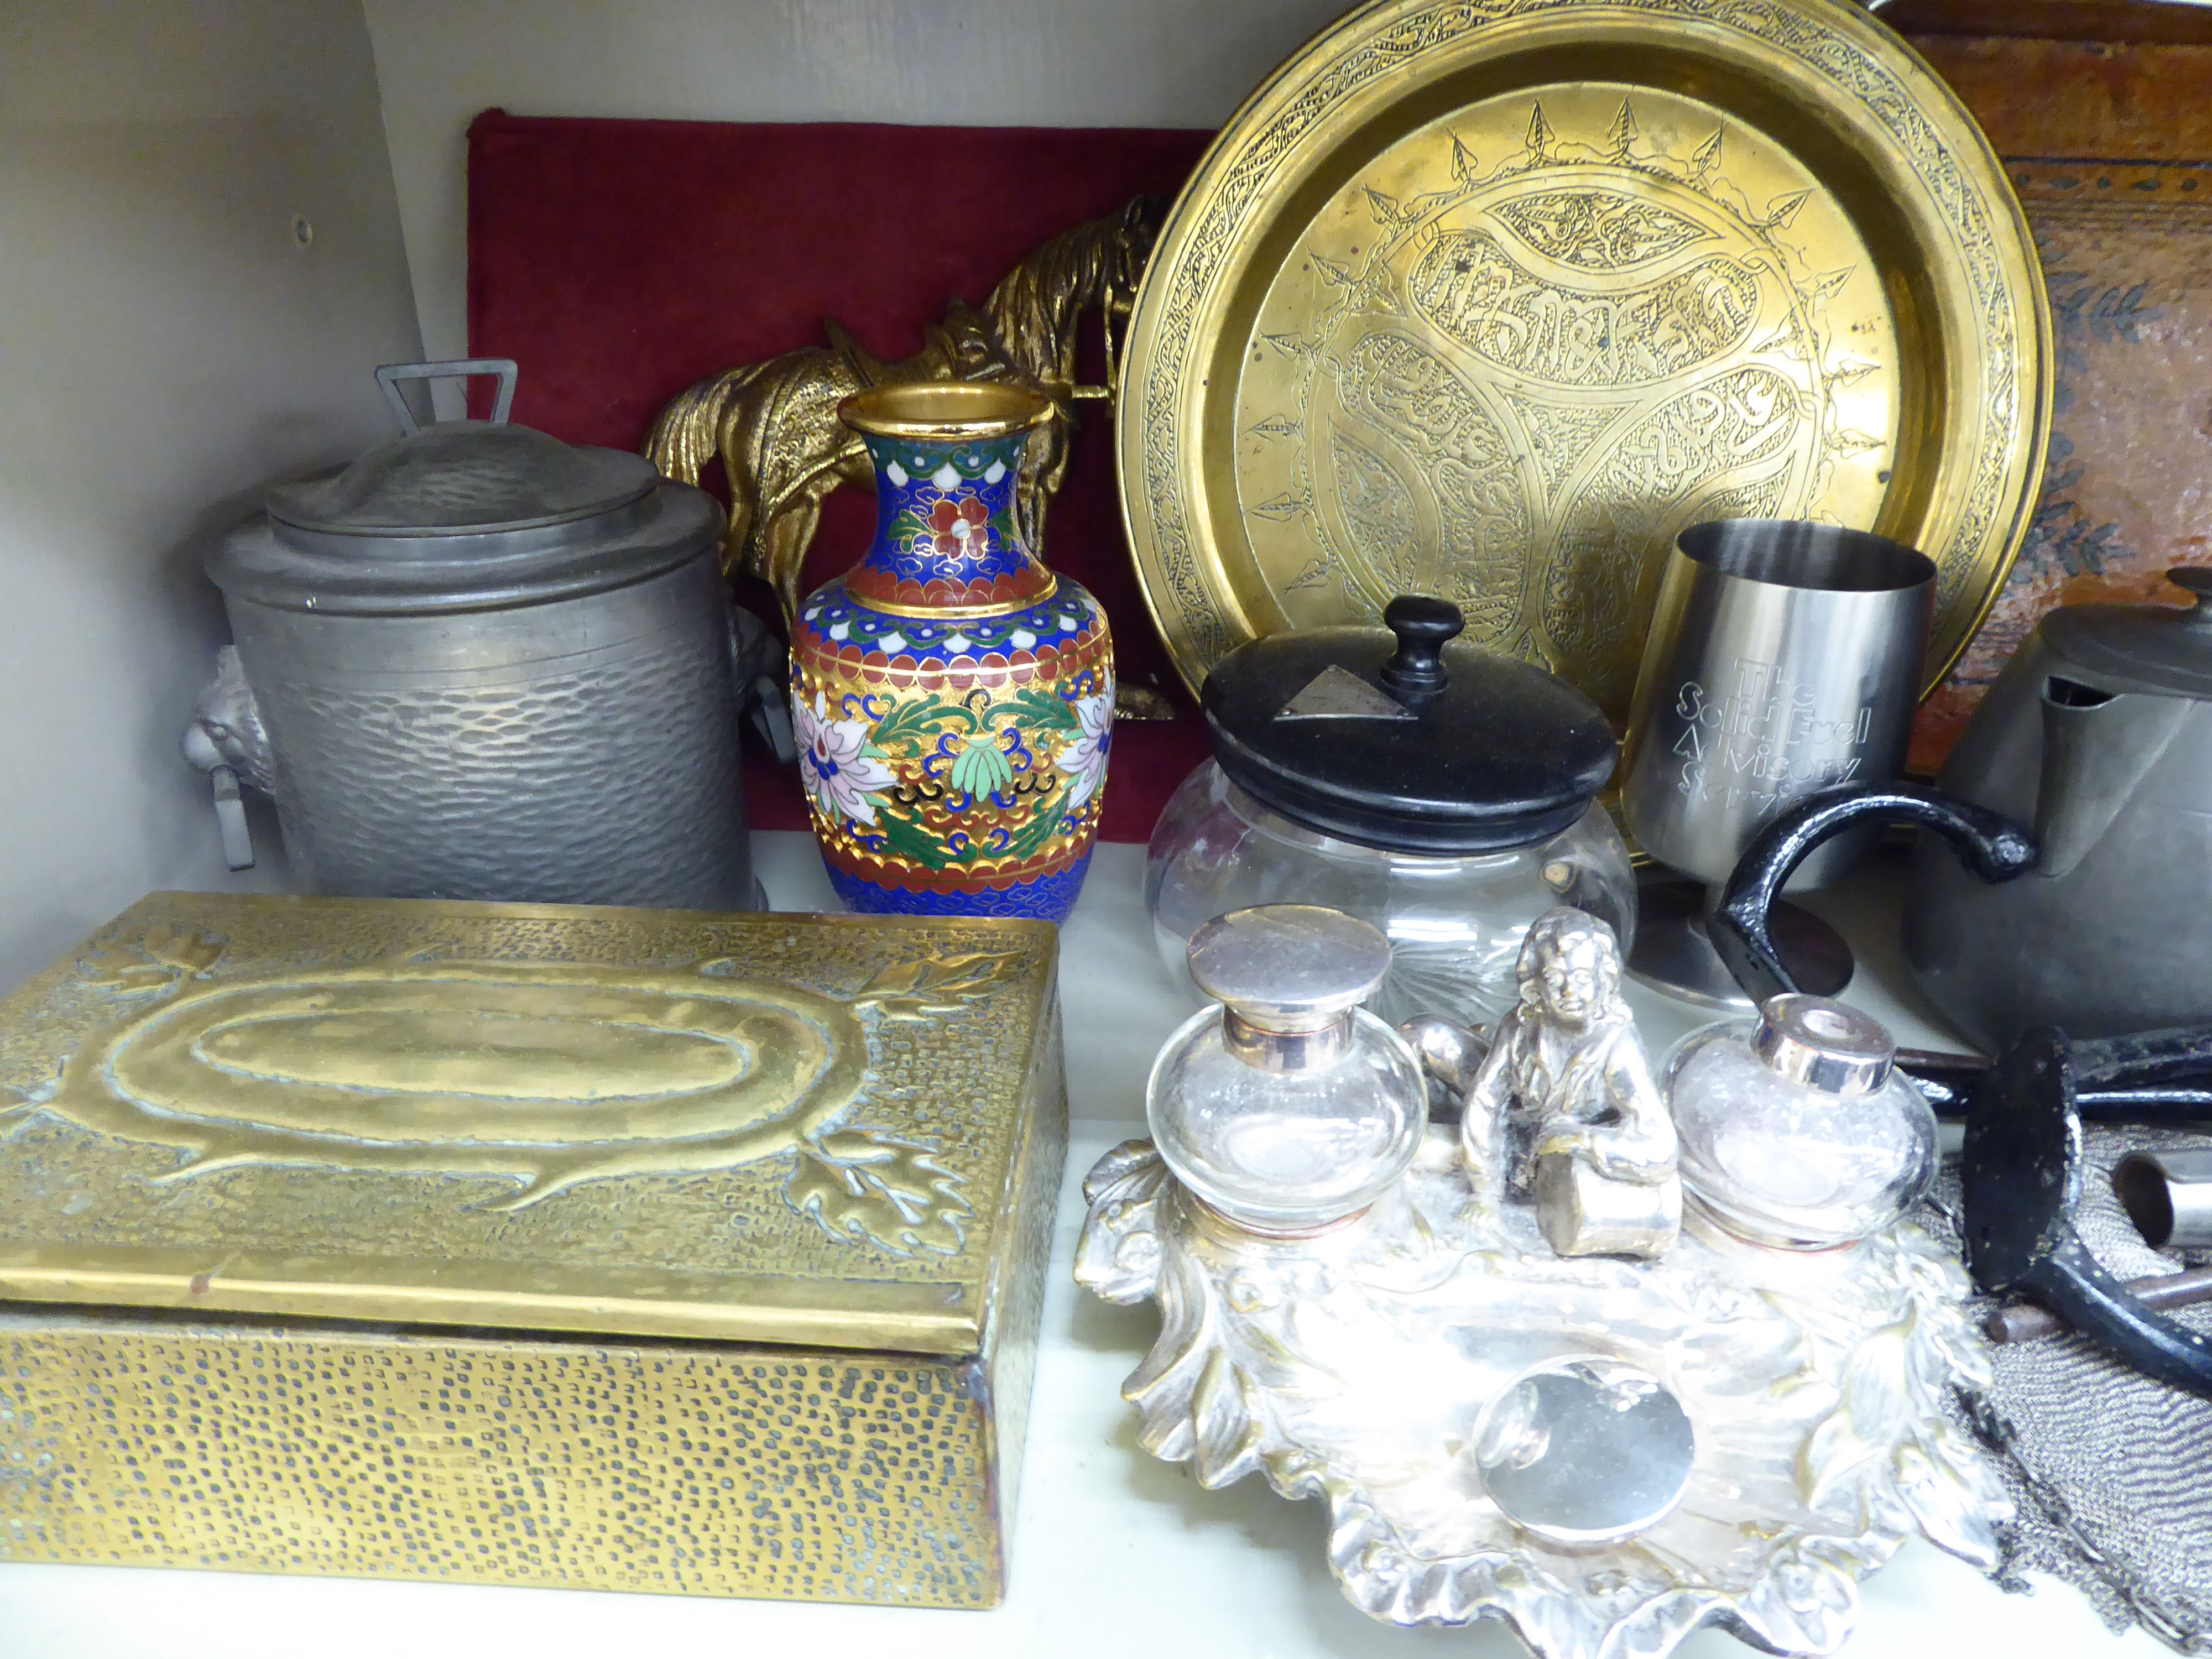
[(622, 1249)]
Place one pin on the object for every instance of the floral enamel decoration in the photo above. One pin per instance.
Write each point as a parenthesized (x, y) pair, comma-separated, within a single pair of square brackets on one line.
[(1006, 774), (840, 768), (981, 767), (1084, 759), (953, 523), (955, 698)]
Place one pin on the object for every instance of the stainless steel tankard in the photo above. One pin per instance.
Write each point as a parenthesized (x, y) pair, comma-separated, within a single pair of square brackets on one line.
[(1785, 658)]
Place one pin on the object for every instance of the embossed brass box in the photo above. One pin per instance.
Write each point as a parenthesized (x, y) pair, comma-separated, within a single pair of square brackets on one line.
[(622, 1249)]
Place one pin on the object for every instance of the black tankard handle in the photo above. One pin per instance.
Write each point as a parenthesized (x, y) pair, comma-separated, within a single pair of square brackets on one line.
[(1992, 846), (2021, 1171), (2150, 1076)]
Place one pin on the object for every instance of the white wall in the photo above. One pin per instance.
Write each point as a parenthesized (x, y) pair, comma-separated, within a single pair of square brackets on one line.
[(165, 349), (974, 63)]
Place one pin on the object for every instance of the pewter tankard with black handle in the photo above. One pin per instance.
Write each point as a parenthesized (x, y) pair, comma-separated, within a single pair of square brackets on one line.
[(1785, 658)]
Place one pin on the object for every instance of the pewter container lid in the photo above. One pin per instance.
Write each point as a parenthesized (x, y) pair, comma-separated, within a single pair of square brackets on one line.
[(465, 477), (464, 515), (2162, 649)]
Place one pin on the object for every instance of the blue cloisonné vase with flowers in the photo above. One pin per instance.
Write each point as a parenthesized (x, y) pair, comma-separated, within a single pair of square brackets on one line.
[(952, 698)]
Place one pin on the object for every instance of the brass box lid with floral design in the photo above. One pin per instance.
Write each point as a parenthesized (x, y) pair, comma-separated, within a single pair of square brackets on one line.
[(744, 1217)]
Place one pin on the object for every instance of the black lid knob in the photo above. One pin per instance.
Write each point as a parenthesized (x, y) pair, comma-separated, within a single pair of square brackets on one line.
[(2197, 579), (1416, 671)]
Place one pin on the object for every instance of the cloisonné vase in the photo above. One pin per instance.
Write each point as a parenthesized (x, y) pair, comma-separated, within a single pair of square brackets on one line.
[(953, 699)]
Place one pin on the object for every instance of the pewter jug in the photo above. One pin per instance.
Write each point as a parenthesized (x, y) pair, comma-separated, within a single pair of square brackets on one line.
[(2075, 888), (2098, 737), (480, 663)]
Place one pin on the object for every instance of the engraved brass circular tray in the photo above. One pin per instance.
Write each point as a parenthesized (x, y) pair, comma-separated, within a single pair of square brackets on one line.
[(1489, 299)]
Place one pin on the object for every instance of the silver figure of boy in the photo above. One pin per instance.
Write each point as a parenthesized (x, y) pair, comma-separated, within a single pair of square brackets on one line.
[(1566, 1095)]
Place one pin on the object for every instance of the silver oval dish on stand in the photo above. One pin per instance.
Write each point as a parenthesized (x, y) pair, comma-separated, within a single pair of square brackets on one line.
[(480, 663), (1585, 1450)]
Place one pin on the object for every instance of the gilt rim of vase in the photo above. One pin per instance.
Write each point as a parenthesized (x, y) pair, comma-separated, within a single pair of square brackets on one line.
[(946, 410)]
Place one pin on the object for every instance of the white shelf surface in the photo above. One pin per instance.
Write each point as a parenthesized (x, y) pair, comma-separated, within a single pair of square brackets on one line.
[(1114, 1553)]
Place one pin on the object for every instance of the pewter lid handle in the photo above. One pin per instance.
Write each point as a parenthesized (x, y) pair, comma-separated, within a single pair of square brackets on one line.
[(461, 369)]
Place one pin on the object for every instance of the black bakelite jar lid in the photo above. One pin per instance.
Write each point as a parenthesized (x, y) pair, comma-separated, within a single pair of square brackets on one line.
[(1405, 737)]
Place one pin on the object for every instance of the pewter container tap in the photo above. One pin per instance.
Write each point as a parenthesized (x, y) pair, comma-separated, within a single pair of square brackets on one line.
[(482, 664)]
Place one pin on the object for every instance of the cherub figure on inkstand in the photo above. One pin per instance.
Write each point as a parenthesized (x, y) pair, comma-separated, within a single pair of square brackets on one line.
[(1565, 1098)]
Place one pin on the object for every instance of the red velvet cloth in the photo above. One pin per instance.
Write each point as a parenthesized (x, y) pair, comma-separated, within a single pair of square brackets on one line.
[(619, 261)]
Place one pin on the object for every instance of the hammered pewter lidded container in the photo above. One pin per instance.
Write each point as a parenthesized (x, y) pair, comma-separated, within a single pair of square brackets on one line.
[(1444, 791), (480, 663)]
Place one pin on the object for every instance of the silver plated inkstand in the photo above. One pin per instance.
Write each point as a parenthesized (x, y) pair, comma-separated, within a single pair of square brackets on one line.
[(1607, 1451)]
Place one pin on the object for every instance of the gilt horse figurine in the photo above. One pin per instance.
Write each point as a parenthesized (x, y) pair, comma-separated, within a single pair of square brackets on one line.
[(774, 423)]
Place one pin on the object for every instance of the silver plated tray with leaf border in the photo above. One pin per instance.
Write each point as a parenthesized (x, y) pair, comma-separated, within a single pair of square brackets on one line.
[(1357, 1366)]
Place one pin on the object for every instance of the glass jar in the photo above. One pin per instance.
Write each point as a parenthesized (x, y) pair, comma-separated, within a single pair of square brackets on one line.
[(1796, 1130), (1287, 1109), (1443, 792), (1455, 924)]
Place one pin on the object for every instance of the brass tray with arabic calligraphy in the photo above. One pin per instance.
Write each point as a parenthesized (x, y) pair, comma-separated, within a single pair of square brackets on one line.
[(1488, 299)]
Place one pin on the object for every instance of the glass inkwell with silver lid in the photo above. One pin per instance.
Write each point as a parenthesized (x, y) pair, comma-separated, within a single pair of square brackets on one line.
[(1287, 1109), (1795, 1129), (1444, 791)]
